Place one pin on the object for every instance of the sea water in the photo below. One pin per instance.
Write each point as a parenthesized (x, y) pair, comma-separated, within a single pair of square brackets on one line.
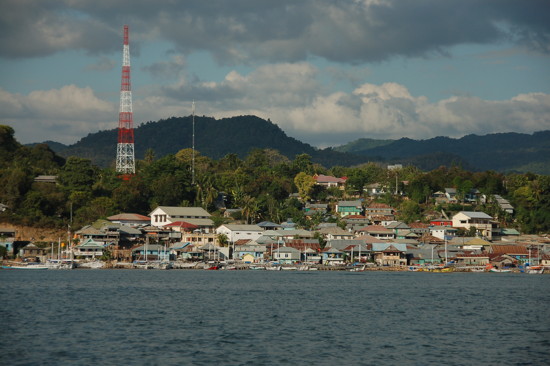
[(192, 317)]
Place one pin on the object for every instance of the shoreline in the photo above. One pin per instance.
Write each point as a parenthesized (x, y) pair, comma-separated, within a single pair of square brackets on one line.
[(221, 266)]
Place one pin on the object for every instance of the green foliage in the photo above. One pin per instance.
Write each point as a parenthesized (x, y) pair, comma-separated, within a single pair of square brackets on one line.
[(258, 181), (304, 182), (410, 211), (78, 174)]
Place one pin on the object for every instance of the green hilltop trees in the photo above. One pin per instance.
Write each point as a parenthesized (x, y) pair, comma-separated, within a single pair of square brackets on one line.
[(261, 184)]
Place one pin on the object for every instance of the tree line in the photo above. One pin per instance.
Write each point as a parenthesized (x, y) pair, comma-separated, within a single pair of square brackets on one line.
[(265, 185)]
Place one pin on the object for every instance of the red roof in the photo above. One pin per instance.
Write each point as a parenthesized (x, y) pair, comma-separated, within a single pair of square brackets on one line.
[(128, 217), (366, 238), (465, 255), (329, 179), (183, 225), (509, 249), (376, 229), (418, 225), (355, 217), (301, 245), (378, 205)]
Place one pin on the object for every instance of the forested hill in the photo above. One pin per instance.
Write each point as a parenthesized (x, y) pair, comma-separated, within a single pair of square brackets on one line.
[(214, 138), (239, 135), (500, 152)]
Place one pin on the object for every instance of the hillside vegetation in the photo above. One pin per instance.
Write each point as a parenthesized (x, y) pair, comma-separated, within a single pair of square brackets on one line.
[(263, 185), (215, 138)]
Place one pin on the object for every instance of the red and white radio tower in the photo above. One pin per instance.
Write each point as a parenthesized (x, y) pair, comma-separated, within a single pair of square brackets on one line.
[(125, 163)]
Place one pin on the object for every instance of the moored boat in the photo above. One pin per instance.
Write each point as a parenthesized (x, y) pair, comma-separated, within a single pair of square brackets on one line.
[(496, 270), (535, 270), (32, 266)]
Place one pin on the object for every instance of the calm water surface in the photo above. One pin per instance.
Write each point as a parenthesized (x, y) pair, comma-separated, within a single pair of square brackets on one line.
[(186, 317)]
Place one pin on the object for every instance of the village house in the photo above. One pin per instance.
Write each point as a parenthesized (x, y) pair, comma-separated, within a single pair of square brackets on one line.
[(377, 231), (51, 179), (422, 255), (419, 228), (288, 225), (545, 260), (312, 208), (470, 259), (439, 197), (249, 253), (378, 209), (345, 208), (293, 234), (354, 222), (89, 248), (130, 219), (311, 256), (443, 232), (198, 238), (400, 229), (164, 215), (332, 256), (375, 189), (450, 195), (236, 232), (32, 253), (329, 181), (150, 252), (482, 222), (286, 255), (335, 232), (519, 253), (382, 220), (268, 225), (504, 204), (357, 252), (441, 222), (389, 254)]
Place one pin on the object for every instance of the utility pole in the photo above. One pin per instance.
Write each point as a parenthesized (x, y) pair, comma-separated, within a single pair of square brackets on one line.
[(193, 148)]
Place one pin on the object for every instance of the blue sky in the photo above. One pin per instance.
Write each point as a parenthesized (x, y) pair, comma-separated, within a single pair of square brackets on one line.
[(326, 72)]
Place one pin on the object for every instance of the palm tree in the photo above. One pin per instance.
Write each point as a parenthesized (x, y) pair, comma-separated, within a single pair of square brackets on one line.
[(223, 240), (250, 208)]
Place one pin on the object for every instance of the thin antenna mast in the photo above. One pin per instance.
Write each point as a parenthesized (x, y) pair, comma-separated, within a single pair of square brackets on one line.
[(193, 149)]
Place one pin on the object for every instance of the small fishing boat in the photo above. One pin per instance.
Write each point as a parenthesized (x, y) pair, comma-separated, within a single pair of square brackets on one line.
[(535, 270), (496, 270), (493, 269), (32, 266)]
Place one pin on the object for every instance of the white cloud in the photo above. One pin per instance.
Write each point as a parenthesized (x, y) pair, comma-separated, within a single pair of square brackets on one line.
[(288, 94), (291, 96), (64, 115)]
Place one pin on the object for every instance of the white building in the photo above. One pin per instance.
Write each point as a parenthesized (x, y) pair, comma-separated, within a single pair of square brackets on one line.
[(286, 255), (236, 232), (442, 231), (482, 222), (164, 215)]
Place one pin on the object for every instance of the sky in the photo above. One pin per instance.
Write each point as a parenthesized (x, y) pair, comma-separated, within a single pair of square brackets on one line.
[(326, 72)]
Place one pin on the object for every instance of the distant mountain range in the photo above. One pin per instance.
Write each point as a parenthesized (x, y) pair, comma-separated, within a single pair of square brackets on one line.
[(499, 152), (216, 138)]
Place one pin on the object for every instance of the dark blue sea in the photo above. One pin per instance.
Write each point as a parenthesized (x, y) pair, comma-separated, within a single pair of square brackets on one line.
[(191, 317)]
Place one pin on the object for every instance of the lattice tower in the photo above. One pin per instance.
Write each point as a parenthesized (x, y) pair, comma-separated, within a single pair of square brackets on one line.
[(125, 162)]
